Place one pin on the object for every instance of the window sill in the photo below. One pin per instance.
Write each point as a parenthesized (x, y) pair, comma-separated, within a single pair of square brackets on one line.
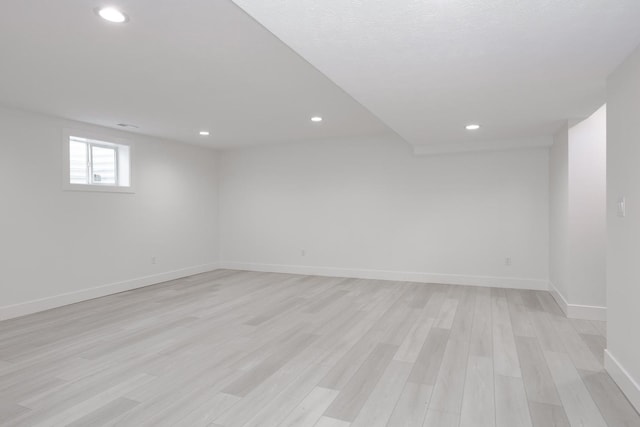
[(98, 188)]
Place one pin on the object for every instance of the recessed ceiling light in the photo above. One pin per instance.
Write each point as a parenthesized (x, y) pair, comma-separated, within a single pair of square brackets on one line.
[(316, 119), (472, 127), (112, 14), (204, 133)]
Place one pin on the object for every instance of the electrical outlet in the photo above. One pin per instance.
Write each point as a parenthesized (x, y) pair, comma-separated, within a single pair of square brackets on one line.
[(507, 261), (153, 260), (303, 252)]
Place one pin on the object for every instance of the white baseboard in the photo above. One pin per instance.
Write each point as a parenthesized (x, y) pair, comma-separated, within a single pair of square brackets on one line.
[(627, 384), (577, 311), (34, 306), (404, 276)]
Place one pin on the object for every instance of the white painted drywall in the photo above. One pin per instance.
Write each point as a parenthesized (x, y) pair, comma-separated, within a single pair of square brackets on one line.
[(56, 242), (559, 212), (587, 210), (371, 208), (623, 234), (577, 219)]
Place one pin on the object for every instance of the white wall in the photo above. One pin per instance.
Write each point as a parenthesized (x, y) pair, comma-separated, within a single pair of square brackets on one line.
[(370, 208), (559, 212), (623, 244), (587, 210), (68, 243), (577, 217)]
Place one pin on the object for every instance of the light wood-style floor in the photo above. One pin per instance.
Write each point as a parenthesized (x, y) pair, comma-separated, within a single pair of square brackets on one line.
[(231, 348)]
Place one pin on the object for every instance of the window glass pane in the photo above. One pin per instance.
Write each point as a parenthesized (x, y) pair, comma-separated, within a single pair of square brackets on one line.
[(78, 162), (103, 161), (98, 163)]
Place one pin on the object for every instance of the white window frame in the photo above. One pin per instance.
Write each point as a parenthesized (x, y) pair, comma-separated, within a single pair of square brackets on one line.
[(97, 140), (90, 173)]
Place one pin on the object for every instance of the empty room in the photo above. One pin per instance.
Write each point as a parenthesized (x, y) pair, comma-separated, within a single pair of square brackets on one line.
[(320, 213)]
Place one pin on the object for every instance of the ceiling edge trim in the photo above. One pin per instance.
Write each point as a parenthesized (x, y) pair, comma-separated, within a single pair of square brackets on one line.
[(474, 146)]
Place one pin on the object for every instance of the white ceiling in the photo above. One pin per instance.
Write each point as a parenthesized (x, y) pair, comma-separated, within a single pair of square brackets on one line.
[(424, 67), (175, 68), (428, 67)]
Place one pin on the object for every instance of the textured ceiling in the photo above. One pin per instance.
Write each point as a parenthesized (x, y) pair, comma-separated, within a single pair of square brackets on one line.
[(427, 68), (175, 68)]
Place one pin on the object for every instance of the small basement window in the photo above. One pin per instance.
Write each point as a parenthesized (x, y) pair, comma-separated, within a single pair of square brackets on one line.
[(97, 165)]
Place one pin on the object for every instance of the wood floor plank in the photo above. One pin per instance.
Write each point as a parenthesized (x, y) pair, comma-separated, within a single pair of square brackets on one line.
[(546, 333), (413, 342), (600, 326), (584, 326), (437, 418), (481, 331), (580, 408), (614, 407), (549, 304), (384, 397), (275, 398), (531, 301), (275, 310), (21, 392), (434, 305), (411, 408), (463, 322), (355, 393), (326, 301), (575, 346), (9, 412), (109, 413), (447, 313), (347, 366), (449, 387), (178, 399), (67, 414), (520, 320), (278, 407), (537, 378), (251, 404), (427, 365), (331, 422), (243, 385), (597, 344), (511, 404), (207, 408), (309, 411), (478, 406), (545, 415), (398, 320), (505, 354)]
